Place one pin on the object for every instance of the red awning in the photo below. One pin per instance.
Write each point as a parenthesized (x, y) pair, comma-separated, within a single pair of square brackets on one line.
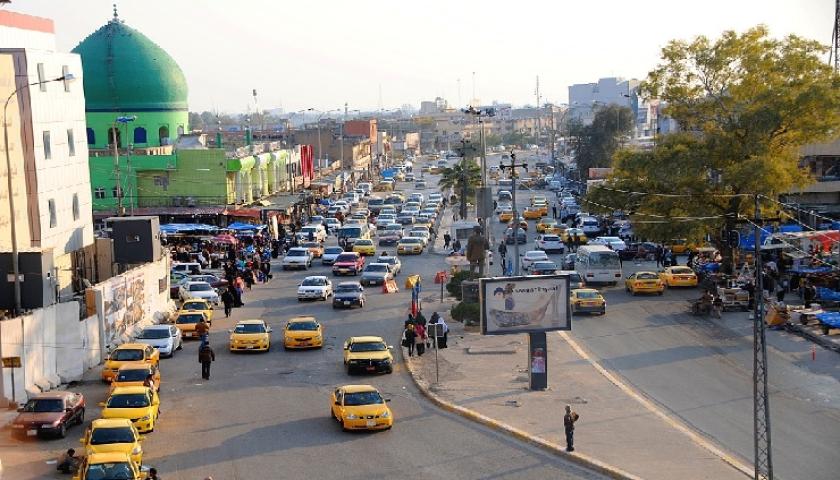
[(243, 212)]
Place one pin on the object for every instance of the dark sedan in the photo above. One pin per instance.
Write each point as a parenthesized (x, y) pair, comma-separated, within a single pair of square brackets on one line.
[(348, 295), (544, 268), (49, 413), (569, 261)]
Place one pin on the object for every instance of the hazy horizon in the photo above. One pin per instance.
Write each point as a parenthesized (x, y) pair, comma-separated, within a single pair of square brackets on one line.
[(323, 54)]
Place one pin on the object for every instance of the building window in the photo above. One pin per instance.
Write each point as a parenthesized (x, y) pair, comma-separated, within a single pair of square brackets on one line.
[(64, 72), (115, 192), (112, 132), (163, 135), (75, 206), (99, 193), (180, 130), (71, 142), (47, 146), (91, 136), (53, 218), (41, 79), (139, 135)]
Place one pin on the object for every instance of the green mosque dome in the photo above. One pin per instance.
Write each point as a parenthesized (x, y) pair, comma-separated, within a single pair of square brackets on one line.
[(124, 71)]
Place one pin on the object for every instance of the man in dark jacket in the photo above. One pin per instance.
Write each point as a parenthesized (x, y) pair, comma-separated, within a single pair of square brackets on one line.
[(206, 356), (227, 300), (203, 331), (569, 420)]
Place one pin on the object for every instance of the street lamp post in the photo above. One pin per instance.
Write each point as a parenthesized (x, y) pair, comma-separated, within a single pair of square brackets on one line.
[(69, 77), (512, 167)]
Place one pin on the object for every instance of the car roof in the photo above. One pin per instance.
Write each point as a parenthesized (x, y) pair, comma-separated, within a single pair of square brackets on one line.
[(157, 327), (195, 283), (359, 388), (137, 365), (302, 318), (131, 346), (377, 263), (537, 252), (130, 390), (250, 322), (315, 276), (349, 282), (110, 423), (366, 339), (645, 272), (298, 249), (110, 457), (52, 395)]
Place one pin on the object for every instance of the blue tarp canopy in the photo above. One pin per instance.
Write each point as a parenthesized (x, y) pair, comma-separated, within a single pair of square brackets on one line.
[(804, 270), (389, 173), (244, 227), (173, 228)]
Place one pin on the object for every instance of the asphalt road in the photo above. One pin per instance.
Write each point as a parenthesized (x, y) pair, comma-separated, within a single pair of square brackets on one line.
[(701, 371), (266, 416)]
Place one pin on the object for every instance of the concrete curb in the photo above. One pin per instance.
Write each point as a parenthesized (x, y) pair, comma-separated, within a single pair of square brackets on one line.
[(582, 460), (814, 337)]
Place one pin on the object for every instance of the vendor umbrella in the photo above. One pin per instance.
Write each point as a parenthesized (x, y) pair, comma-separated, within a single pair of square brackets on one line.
[(224, 238)]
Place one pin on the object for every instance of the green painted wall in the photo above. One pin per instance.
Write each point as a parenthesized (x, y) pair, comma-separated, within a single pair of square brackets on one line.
[(101, 123), (102, 177), (201, 174)]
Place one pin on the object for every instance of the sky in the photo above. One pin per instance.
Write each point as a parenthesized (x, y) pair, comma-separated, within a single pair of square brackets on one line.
[(380, 54)]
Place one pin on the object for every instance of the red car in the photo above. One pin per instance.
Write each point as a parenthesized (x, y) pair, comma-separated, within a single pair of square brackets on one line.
[(348, 263), (49, 413)]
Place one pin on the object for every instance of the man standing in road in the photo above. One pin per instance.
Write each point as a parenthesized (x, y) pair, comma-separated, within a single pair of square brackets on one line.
[(554, 210), (503, 254), (206, 355), (569, 424), (446, 239), (227, 300)]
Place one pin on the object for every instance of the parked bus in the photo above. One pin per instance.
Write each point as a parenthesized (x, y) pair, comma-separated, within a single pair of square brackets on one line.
[(351, 233), (598, 264)]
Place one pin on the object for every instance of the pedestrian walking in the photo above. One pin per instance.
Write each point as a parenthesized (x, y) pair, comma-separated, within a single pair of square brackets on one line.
[(227, 301), (431, 231), (203, 331), (554, 211), (420, 331), (569, 425), (206, 356), (502, 251), (446, 239), (409, 338), (153, 475), (408, 321), (659, 254)]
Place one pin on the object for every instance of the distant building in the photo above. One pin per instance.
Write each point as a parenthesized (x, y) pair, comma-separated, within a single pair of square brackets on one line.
[(584, 98), (822, 197), (48, 156)]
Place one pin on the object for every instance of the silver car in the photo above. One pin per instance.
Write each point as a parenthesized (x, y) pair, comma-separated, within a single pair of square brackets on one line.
[(376, 274)]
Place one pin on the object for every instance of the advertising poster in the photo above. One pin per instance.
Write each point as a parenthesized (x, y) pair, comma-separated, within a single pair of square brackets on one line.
[(524, 304)]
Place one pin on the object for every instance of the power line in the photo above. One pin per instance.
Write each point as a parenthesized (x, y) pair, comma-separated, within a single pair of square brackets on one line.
[(670, 195), (654, 215), (792, 207)]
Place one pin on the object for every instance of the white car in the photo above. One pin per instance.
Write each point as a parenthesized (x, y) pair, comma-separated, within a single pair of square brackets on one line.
[(319, 233), (202, 290), (342, 205), (166, 338), (315, 287), (615, 243), (333, 223), (392, 261), (297, 257), (550, 243), (330, 254), (385, 219), (503, 207), (422, 233), (532, 256)]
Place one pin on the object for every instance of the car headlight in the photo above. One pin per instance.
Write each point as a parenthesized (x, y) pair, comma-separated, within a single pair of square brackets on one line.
[(385, 414), (143, 419), (352, 417), (137, 450)]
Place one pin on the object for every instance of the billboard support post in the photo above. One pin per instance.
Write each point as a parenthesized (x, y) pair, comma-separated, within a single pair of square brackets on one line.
[(537, 361)]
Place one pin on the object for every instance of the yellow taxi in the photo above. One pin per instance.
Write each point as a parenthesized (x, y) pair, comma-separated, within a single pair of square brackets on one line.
[(97, 466), (383, 187), (364, 246), (315, 248), (587, 300), (186, 322), (532, 213), (368, 354), (128, 352), (360, 407), (139, 404), (303, 332), (545, 224), (250, 335), (679, 246), (423, 223), (410, 246), (644, 282), (505, 216), (523, 224), (557, 229), (198, 305), (543, 207), (113, 435), (133, 374), (539, 199), (679, 277), (574, 232)]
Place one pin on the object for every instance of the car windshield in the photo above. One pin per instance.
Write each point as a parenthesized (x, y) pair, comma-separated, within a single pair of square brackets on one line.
[(545, 266), (105, 436), (153, 333), (368, 347), (127, 355), (132, 375), (588, 295), (297, 253), (189, 318), (350, 258), (194, 306), (365, 243), (646, 276), (314, 282), (200, 287), (309, 229), (376, 268), (333, 250), (303, 326), (348, 288), (393, 228), (109, 471), (249, 328), (362, 398), (128, 400), (375, 201), (575, 278), (351, 232), (682, 270), (411, 240), (604, 260), (311, 245), (44, 405), (551, 238)]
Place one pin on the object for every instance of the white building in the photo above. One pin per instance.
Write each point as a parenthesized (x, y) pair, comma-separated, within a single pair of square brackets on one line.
[(49, 163), (585, 98)]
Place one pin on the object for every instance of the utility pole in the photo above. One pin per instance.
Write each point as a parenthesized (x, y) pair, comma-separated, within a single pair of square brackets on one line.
[(512, 169), (761, 399), (117, 170), (835, 39), (539, 112)]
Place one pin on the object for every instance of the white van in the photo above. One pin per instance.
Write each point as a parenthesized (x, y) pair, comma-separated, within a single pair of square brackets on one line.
[(505, 184), (366, 187), (598, 264)]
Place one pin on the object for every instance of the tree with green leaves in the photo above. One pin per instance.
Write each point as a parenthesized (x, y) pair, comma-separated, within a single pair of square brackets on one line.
[(461, 177), (596, 143), (745, 103)]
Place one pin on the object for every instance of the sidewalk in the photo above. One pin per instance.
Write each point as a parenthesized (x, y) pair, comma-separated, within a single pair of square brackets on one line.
[(488, 375)]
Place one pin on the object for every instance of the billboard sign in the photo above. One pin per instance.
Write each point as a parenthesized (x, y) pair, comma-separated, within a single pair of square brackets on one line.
[(524, 304)]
